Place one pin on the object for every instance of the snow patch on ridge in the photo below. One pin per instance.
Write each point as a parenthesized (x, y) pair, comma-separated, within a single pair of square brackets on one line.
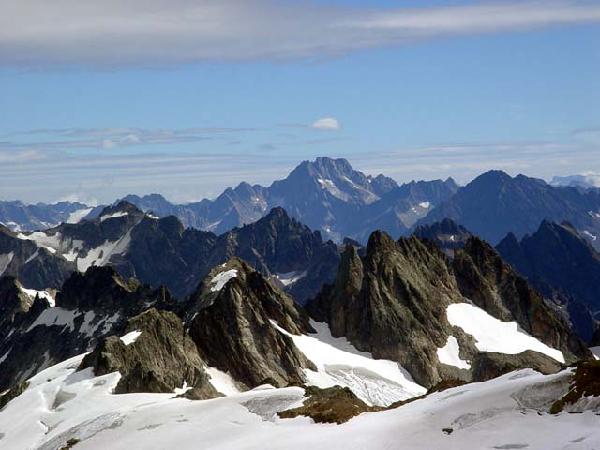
[(222, 381), (56, 316), (493, 335), (113, 215), (375, 381), (448, 354), (221, 279), (289, 278), (77, 216), (50, 242), (331, 187), (41, 294), (101, 255), (131, 337)]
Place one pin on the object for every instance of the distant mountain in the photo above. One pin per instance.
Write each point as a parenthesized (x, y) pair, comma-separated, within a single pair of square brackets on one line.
[(447, 235), (326, 194), (582, 181), (164, 252), (495, 204), (18, 216), (562, 265)]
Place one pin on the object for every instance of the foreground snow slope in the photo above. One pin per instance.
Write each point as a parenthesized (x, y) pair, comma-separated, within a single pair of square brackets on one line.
[(375, 381), (500, 414)]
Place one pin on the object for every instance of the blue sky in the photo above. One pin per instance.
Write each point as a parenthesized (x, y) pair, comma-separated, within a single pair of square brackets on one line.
[(135, 108)]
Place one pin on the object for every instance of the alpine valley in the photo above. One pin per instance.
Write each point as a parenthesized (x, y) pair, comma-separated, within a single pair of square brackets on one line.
[(331, 309)]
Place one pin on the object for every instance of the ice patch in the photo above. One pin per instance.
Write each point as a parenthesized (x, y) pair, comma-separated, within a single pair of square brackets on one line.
[(425, 205), (50, 242), (375, 381), (330, 187), (448, 354), (493, 335), (113, 215), (130, 337), (56, 316), (221, 279), (222, 381), (41, 294), (289, 278), (183, 389), (101, 255), (77, 216)]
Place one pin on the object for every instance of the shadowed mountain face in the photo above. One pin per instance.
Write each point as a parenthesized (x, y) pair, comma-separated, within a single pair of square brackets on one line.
[(89, 306), (559, 262), (326, 194), (232, 319), (163, 252), (495, 204), (447, 235), (233, 322), (394, 302)]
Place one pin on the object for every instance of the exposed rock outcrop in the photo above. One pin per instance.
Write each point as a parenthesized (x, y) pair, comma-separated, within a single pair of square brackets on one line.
[(232, 320), (492, 365), (393, 303), (331, 405), (156, 355), (89, 307)]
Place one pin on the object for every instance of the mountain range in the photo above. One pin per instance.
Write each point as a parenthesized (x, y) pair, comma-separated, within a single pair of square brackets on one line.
[(495, 204), (328, 195), (160, 251), (130, 328)]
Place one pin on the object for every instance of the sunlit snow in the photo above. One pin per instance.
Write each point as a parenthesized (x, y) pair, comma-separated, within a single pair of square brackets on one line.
[(41, 294), (493, 335), (375, 381), (221, 279), (290, 278), (76, 216), (61, 404), (448, 354), (131, 337)]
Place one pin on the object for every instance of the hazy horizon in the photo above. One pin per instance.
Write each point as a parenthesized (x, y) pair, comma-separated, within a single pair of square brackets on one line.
[(101, 99)]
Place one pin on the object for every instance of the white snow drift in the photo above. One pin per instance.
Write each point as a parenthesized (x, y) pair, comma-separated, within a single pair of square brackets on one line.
[(221, 279), (375, 381), (61, 404), (493, 335), (448, 354)]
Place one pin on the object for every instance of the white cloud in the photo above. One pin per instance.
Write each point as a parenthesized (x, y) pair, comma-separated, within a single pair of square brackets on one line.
[(163, 32), (327, 123)]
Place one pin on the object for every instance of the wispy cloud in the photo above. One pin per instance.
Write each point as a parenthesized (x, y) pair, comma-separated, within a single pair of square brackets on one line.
[(111, 138), (187, 176), (327, 124), (163, 32)]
